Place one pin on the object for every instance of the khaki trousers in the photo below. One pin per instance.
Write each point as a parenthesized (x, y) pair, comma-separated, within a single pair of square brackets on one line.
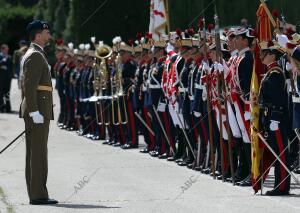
[(36, 158)]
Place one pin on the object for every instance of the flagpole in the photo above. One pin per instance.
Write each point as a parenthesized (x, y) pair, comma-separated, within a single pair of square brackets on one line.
[(167, 15)]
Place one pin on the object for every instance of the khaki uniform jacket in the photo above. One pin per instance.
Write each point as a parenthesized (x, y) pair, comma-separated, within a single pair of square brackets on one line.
[(36, 73)]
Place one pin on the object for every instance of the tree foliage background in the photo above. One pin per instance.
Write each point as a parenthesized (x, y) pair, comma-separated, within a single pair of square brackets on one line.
[(77, 20)]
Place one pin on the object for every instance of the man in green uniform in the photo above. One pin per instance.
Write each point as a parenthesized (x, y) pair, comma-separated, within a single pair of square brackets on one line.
[(36, 110)]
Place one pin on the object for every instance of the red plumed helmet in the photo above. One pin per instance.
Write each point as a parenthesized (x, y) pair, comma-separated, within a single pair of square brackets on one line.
[(139, 36), (201, 23), (191, 32), (178, 32), (210, 27), (275, 14), (59, 42), (131, 42), (148, 35)]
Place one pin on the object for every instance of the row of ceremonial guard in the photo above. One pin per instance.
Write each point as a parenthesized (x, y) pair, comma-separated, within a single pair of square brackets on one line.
[(187, 97)]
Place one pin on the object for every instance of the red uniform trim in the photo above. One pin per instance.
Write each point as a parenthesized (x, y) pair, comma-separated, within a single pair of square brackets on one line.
[(132, 122), (167, 128), (282, 158), (148, 122)]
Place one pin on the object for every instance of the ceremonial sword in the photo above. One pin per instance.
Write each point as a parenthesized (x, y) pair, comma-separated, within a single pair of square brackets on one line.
[(14, 140)]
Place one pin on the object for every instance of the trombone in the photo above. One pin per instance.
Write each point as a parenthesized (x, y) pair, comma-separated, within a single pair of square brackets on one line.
[(102, 76), (119, 111), (122, 114), (98, 92), (113, 99)]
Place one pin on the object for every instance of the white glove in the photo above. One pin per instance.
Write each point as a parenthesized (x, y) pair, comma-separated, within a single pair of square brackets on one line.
[(204, 94), (288, 66), (37, 117), (274, 125), (161, 107), (282, 40), (247, 116), (215, 66), (173, 99), (220, 67), (206, 66), (197, 114)]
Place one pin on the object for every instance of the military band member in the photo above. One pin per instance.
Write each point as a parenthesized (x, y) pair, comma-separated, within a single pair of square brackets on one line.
[(85, 94), (69, 119), (115, 69), (69, 59), (94, 128), (128, 72), (75, 88), (58, 70)]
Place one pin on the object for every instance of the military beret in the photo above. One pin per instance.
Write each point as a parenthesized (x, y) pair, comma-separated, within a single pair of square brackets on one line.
[(37, 25)]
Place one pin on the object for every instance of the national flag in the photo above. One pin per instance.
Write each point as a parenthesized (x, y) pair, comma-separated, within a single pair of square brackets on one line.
[(263, 30)]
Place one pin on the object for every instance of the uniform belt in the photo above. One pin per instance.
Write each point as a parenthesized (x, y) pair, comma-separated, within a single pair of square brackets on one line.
[(183, 89), (153, 86), (44, 88), (270, 107), (199, 86)]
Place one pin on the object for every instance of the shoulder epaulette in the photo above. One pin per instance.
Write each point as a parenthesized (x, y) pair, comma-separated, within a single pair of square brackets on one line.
[(276, 69)]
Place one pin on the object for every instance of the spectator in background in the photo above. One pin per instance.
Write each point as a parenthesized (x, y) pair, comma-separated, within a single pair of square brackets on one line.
[(23, 50), (244, 22), (6, 75), (17, 58)]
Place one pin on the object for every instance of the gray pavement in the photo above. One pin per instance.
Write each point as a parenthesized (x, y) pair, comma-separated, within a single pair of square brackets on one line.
[(86, 176)]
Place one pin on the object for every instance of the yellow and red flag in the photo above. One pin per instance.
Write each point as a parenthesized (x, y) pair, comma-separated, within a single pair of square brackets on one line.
[(263, 30)]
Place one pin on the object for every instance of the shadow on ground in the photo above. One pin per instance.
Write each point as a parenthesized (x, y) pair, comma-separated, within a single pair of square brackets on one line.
[(83, 206)]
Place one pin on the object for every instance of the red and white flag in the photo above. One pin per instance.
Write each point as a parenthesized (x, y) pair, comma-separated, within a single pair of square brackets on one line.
[(158, 19)]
